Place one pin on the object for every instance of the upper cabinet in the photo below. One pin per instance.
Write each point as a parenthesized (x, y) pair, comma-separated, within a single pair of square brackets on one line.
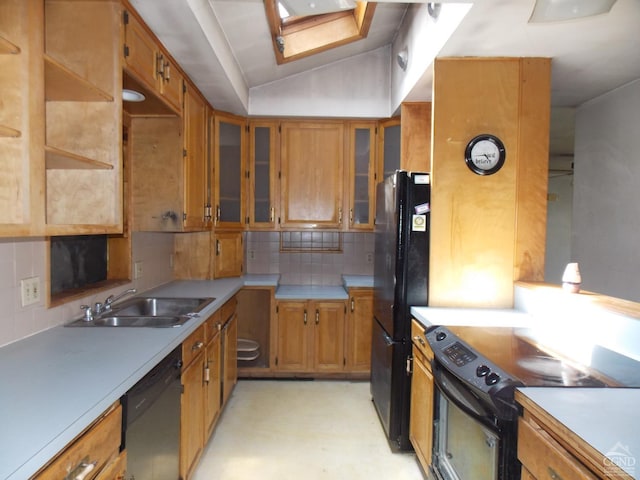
[(229, 169), (264, 168), (22, 108), (388, 147), (83, 117), (362, 175), (61, 118), (149, 68), (311, 186)]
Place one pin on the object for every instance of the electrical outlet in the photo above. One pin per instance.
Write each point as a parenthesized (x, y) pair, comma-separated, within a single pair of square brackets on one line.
[(137, 270), (30, 291), (369, 257)]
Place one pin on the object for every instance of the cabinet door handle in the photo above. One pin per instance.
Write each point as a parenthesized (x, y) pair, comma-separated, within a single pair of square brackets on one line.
[(167, 71), (351, 216), (217, 214), (272, 215), (340, 215), (317, 316), (197, 346), (305, 317), (160, 65), (353, 304), (81, 471), (206, 374), (217, 247)]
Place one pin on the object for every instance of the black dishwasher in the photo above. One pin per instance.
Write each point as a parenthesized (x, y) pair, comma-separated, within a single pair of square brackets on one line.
[(152, 422)]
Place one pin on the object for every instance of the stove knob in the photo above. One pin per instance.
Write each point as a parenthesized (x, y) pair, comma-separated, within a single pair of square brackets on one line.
[(440, 336), (492, 379), (482, 371)]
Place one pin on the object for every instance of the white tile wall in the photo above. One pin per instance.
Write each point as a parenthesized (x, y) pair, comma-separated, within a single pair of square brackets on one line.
[(25, 257), (263, 256)]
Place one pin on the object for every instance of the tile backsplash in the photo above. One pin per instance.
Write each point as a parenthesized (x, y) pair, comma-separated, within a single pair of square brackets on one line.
[(263, 255), (22, 258)]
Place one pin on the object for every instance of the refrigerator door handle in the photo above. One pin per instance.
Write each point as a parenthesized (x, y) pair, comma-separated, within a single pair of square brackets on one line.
[(388, 340)]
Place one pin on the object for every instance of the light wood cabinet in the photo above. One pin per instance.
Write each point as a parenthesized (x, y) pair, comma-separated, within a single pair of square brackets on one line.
[(21, 117), (362, 175), (169, 170), (229, 148), (422, 397), (148, 65), (310, 336), (212, 373), (389, 137), (264, 168), (358, 330), (228, 254), (230, 356), (312, 183), (415, 136), (197, 206), (100, 443)]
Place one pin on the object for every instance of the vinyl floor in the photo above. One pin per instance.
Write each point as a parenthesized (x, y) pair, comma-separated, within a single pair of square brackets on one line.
[(298, 429)]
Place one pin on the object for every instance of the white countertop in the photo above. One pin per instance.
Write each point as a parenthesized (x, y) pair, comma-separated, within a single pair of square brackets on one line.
[(358, 281), (605, 418), (55, 383), (482, 317), (311, 292)]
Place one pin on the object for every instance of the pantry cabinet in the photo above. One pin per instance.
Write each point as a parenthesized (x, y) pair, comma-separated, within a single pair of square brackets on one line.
[(310, 336), (264, 168), (312, 163), (229, 148), (362, 175), (358, 330), (422, 397)]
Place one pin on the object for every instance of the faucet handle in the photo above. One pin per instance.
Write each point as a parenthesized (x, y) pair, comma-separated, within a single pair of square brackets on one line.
[(88, 314), (98, 308)]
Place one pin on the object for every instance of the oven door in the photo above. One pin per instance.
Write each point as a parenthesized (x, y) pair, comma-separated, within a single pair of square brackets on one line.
[(467, 438)]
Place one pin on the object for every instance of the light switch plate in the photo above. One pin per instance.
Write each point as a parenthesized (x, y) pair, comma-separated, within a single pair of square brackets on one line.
[(137, 270), (30, 291)]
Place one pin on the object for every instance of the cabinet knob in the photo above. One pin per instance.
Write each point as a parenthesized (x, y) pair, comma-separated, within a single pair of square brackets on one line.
[(197, 346), (317, 316), (305, 317), (553, 475)]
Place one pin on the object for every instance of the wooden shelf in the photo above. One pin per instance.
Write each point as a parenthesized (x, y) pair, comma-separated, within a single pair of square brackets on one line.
[(6, 47), (57, 159), (63, 84), (9, 132)]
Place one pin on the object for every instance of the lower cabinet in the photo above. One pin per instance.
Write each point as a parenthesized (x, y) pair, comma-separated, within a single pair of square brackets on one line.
[(94, 454), (208, 377), (422, 396), (310, 336), (358, 330)]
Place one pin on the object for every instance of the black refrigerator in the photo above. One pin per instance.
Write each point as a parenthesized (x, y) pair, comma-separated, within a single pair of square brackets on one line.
[(401, 270)]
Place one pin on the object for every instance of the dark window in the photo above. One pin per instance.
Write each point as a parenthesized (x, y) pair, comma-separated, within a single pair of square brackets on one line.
[(77, 261)]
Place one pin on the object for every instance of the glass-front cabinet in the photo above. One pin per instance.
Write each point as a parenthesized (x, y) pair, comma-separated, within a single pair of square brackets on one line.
[(389, 137), (229, 147), (263, 174), (362, 175)]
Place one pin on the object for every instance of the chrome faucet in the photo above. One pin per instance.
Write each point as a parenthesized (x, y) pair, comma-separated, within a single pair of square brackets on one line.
[(103, 307)]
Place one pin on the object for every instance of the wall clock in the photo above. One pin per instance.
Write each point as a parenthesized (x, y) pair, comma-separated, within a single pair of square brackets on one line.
[(485, 154)]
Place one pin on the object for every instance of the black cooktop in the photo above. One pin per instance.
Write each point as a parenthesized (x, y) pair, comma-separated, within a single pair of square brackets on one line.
[(520, 353)]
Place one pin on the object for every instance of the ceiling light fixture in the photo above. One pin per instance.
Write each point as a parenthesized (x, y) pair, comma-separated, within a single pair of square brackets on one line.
[(132, 96), (558, 10)]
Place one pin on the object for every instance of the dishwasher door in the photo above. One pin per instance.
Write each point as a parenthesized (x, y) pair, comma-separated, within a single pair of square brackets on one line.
[(152, 430)]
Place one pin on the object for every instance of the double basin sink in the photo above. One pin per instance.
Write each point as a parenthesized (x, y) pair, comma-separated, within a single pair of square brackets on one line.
[(147, 312)]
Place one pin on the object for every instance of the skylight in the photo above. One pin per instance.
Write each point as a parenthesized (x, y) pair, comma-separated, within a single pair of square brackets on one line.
[(300, 28)]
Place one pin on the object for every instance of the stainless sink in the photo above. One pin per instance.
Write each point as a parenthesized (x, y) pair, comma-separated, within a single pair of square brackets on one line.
[(147, 312)]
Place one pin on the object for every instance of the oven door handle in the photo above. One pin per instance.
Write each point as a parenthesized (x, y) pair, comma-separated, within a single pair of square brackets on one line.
[(455, 391)]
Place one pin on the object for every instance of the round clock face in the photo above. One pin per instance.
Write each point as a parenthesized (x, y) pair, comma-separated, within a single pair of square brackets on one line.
[(485, 154)]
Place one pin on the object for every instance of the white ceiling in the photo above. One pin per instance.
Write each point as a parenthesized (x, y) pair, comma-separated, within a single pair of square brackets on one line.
[(225, 45)]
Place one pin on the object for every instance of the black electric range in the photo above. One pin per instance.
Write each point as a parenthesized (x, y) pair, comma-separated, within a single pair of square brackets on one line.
[(525, 356)]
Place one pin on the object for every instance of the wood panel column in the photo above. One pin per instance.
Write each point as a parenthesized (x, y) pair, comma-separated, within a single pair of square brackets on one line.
[(488, 231)]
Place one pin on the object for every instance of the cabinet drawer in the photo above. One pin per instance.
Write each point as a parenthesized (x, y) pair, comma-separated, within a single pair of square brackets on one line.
[(420, 340), (212, 326), (545, 458), (193, 345), (99, 444), (115, 470)]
